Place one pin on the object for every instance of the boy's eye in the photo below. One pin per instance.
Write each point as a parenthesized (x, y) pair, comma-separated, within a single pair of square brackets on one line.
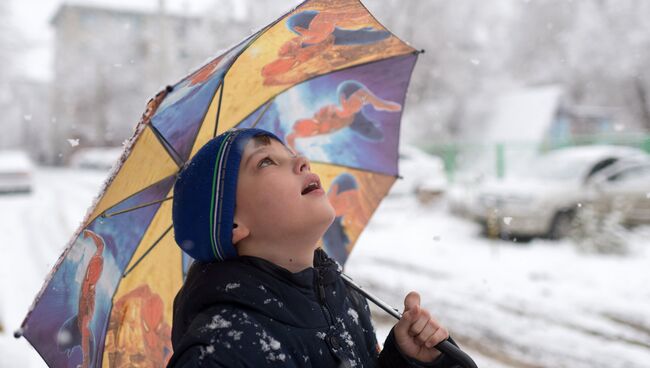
[(265, 162)]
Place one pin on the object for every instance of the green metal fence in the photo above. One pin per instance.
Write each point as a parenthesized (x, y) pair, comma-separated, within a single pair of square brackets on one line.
[(461, 155)]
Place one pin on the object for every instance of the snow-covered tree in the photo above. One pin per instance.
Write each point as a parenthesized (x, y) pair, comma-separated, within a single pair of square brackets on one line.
[(599, 232)]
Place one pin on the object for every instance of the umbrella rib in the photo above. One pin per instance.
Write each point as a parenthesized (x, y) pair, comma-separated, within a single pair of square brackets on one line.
[(91, 219), (111, 214), (175, 156), (167, 146), (225, 73), (257, 35), (266, 107), (216, 123), (126, 273)]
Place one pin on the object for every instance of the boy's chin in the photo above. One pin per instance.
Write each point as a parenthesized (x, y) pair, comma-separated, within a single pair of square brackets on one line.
[(329, 216), (324, 219)]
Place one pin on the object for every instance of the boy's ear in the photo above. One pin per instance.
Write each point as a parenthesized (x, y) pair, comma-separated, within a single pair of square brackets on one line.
[(239, 232)]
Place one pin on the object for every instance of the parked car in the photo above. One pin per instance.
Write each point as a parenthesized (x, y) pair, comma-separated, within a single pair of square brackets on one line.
[(461, 195), (623, 188), (541, 199), (421, 174), (16, 171), (95, 158)]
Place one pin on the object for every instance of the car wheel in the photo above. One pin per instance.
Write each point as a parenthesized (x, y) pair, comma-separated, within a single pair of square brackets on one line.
[(561, 225)]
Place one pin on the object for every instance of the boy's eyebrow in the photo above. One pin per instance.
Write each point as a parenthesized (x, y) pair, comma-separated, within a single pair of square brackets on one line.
[(259, 150), (264, 148)]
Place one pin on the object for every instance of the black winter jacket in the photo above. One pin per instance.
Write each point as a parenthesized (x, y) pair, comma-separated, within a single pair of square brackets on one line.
[(248, 312)]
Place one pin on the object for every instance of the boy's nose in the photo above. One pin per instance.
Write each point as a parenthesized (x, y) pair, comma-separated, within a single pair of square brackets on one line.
[(302, 164)]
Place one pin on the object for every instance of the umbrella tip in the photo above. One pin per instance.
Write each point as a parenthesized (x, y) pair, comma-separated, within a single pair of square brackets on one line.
[(18, 333), (421, 51)]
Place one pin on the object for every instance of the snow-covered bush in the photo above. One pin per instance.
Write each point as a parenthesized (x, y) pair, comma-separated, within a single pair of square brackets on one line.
[(599, 232)]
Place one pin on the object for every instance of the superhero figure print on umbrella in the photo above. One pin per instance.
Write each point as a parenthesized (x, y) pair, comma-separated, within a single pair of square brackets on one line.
[(325, 35), (137, 331), (353, 97), (349, 117), (344, 195), (76, 330)]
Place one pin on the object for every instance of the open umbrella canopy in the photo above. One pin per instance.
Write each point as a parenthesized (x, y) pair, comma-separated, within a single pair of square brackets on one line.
[(326, 77)]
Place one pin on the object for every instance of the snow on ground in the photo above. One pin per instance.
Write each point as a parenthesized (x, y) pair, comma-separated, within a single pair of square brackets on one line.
[(540, 304), (507, 304)]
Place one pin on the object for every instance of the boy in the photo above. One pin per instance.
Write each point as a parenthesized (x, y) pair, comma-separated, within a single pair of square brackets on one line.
[(261, 293)]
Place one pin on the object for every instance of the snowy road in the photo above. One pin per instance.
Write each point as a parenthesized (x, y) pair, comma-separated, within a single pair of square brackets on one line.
[(511, 305), (533, 305)]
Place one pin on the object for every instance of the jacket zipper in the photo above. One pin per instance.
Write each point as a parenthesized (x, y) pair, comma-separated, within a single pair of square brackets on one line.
[(320, 290), (331, 340)]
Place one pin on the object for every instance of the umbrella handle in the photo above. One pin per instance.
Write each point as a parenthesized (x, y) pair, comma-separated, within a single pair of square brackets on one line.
[(444, 346)]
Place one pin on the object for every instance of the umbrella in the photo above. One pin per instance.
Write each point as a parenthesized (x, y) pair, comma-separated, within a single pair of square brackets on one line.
[(327, 77)]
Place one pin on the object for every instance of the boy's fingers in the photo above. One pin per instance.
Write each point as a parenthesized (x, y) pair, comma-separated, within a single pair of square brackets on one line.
[(440, 335), (420, 319), (412, 299), (426, 333), (408, 318)]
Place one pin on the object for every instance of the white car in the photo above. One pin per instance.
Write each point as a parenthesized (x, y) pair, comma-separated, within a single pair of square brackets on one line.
[(16, 170), (462, 193), (96, 158), (541, 200), (623, 188), (421, 174)]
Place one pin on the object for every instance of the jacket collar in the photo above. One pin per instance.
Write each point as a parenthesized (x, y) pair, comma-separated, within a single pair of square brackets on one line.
[(324, 266), (254, 284)]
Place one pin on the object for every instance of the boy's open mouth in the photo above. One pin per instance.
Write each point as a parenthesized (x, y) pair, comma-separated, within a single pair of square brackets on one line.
[(311, 183)]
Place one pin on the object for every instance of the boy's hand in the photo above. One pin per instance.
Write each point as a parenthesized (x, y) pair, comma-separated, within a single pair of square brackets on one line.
[(417, 332)]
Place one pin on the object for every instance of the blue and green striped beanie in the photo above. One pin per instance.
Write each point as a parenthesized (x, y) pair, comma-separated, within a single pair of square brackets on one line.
[(204, 196)]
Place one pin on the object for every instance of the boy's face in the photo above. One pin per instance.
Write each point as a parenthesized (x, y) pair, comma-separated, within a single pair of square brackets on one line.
[(276, 199)]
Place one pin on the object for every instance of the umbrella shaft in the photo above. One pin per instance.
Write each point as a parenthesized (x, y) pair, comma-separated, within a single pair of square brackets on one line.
[(378, 302), (444, 346)]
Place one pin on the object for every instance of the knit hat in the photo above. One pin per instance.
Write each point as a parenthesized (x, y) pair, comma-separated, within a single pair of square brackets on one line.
[(204, 196)]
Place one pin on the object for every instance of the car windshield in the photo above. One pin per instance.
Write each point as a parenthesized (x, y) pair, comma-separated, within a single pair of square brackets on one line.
[(637, 173), (553, 167)]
